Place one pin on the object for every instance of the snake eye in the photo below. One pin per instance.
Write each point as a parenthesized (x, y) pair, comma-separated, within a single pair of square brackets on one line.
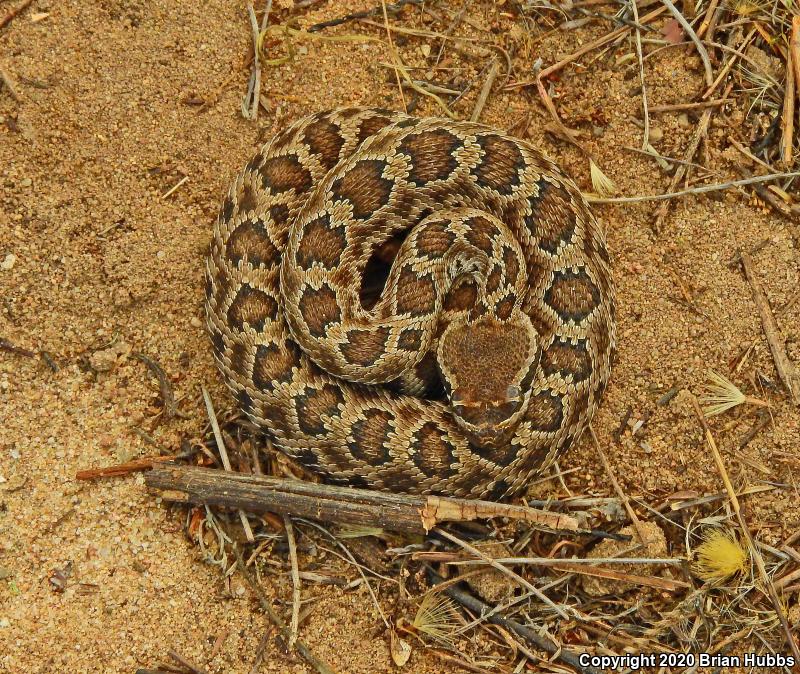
[(512, 392), (456, 398)]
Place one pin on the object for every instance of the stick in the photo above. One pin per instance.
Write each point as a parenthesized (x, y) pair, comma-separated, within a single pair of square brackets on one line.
[(790, 212), (172, 189), (672, 107), (645, 113), (7, 346), (145, 463), (262, 646), (187, 664), (794, 48), (755, 554), (393, 512), (786, 370), (644, 581), (320, 665), (793, 75), (295, 623), (699, 133), (494, 71), (728, 65), (167, 394), (787, 118), (255, 76), (712, 6), (395, 55), (586, 567), (375, 11)]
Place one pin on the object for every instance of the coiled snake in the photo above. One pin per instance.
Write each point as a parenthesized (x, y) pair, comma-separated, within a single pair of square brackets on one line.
[(485, 354)]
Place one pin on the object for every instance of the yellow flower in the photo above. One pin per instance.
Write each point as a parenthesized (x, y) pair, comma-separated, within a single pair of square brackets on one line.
[(719, 556)]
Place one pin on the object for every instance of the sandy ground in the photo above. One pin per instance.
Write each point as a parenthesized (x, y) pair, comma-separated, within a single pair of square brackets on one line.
[(98, 577)]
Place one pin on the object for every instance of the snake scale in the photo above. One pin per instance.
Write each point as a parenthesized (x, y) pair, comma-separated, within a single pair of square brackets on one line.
[(479, 354)]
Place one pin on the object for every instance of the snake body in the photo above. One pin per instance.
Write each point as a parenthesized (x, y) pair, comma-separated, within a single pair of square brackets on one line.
[(479, 360)]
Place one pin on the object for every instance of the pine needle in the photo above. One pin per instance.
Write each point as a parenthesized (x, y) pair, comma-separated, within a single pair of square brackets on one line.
[(358, 531), (436, 618), (601, 183), (291, 36), (719, 556), (722, 395)]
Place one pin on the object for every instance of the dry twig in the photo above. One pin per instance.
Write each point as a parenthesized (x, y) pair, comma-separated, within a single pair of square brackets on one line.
[(494, 71), (700, 132), (676, 107), (786, 369), (645, 112), (539, 81), (186, 663), (295, 622), (135, 466), (164, 385), (223, 453), (392, 512)]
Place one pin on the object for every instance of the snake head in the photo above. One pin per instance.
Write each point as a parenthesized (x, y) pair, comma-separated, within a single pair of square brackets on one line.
[(487, 368)]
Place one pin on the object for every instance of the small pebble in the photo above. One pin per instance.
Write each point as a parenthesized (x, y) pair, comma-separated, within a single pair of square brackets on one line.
[(161, 255), (683, 121), (8, 263), (656, 134), (25, 182), (195, 322)]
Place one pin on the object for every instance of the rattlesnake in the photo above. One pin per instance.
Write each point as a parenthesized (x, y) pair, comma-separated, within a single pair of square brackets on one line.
[(485, 354)]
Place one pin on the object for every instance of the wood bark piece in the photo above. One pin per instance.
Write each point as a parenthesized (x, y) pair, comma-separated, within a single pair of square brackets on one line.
[(345, 505), (786, 370)]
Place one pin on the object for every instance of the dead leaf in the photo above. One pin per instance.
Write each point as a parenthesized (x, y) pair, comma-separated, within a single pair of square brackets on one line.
[(672, 31), (401, 649)]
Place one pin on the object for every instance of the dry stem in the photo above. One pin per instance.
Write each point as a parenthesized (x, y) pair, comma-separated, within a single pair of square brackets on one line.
[(295, 623), (223, 453), (786, 369), (494, 71)]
